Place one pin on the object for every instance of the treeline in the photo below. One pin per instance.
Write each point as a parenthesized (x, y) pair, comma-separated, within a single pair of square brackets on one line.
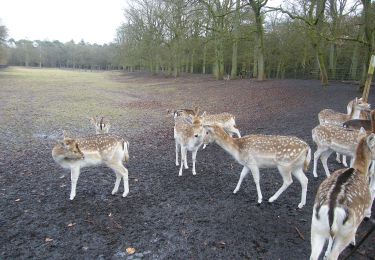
[(330, 39), (62, 55), (326, 39)]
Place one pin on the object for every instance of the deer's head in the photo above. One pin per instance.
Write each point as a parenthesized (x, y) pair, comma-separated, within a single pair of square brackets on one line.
[(101, 124)]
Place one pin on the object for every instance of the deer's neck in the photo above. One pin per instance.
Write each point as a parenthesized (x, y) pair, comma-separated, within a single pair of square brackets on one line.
[(362, 157), (355, 113), (227, 142)]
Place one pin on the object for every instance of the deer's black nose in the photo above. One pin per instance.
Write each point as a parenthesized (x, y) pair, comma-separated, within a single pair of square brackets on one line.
[(196, 135)]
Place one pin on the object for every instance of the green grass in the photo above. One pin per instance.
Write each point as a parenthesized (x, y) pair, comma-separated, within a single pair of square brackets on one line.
[(43, 100)]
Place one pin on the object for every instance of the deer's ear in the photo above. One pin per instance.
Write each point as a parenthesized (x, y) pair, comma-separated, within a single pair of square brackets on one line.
[(188, 120), (203, 114)]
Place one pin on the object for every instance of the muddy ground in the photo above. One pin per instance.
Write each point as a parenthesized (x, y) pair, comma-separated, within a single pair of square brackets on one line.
[(164, 216)]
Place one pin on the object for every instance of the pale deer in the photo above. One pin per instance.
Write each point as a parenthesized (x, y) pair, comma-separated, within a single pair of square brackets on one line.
[(92, 150), (341, 203), (289, 154), (331, 117), (362, 115), (101, 124), (225, 120), (188, 134), (331, 138)]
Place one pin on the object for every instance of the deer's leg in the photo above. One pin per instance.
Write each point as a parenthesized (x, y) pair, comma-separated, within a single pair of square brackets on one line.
[(301, 177), (287, 180), (244, 172), (118, 168), (329, 247), (194, 157), (324, 158), (117, 183), (255, 172), (344, 161), (183, 159), (177, 164), (74, 175), (339, 245), (338, 157), (317, 155), (317, 244)]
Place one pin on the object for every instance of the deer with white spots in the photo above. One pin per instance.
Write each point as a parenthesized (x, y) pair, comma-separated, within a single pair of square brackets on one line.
[(341, 203), (107, 149), (354, 109), (101, 124), (289, 154), (225, 120), (329, 139), (188, 135)]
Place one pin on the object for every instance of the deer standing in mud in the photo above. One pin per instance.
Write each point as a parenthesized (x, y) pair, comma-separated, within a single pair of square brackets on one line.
[(341, 203), (354, 109), (188, 135), (289, 154), (107, 149)]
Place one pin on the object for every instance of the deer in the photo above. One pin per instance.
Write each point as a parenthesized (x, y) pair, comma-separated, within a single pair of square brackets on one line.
[(188, 135), (289, 154), (102, 125), (363, 114), (341, 203), (108, 149), (226, 120), (331, 138), (331, 117)]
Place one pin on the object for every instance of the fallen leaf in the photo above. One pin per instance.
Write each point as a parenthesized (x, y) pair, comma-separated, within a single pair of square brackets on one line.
[(110, 214), (17, 200), (71, 224), (48, 239), (130, 250), (62, 176)]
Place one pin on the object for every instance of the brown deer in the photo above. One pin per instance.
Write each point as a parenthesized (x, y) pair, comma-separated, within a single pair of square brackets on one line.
[(341, 203)]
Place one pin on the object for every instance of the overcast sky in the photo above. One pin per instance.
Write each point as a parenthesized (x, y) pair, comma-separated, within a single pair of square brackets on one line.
[(94, 21)]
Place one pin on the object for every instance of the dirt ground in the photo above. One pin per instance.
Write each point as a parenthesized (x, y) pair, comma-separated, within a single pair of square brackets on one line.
[(164, 216)]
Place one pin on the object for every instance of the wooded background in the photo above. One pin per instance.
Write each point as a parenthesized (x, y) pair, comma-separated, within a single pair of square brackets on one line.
[(325, 39)]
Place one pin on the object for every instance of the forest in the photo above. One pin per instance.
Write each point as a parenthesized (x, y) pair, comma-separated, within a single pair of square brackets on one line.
[(325, 39)]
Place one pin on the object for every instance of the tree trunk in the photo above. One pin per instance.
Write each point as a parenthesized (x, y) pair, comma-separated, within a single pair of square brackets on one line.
[(332, 60), (237, 22), (204, 59)]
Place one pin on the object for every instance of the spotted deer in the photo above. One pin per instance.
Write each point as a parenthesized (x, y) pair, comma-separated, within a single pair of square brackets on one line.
[(341, 203), (225, 120), (331, 138), (362, 115), (107, 149), (188, 135), (289, 154), (101, 124), (331, 117)]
